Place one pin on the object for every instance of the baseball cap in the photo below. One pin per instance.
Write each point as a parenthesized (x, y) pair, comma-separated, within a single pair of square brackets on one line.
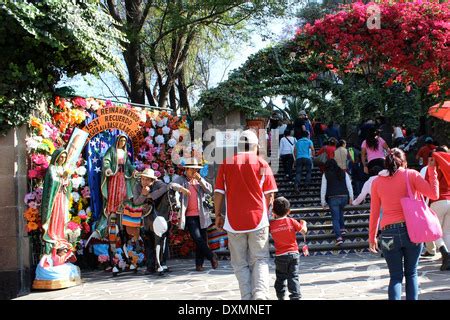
[(302, 113), (248, 136), (429, 140)]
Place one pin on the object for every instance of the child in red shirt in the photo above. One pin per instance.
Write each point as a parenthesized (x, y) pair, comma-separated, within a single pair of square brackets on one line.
[(283, 230)]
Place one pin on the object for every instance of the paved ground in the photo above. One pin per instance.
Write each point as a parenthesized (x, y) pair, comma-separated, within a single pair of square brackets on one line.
[(352, 276)]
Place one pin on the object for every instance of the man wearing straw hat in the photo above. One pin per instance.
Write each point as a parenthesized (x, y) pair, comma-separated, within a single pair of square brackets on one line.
[(153, 189), (247, 183), (194, 216)]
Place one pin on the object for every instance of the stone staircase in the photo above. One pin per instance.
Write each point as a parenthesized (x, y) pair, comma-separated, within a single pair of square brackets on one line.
[(320, 237)]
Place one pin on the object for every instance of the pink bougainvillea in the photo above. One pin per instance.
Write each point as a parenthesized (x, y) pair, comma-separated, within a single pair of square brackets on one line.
[(412, 42)]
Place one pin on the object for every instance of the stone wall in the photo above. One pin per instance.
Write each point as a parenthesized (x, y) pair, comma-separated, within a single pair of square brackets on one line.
[(15, 273)]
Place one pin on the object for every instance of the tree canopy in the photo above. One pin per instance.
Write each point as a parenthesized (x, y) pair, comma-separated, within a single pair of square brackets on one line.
[(166, 37), (347, 71), (43, 40)]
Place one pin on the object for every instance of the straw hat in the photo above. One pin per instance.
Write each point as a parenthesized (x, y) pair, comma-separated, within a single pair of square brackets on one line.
[(192, 163), (149, 173)]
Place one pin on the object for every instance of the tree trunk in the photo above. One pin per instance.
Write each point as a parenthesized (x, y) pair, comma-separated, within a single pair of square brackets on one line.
[(183, 93), (136, 77), (173, 99), (163, 95)]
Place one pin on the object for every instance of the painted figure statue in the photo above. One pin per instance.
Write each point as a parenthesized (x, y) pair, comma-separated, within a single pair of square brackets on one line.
[(55, 270), (117, 176), (55, 201)]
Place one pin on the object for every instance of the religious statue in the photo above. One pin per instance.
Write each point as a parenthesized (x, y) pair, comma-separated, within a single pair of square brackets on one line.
[(55, 270), (55, 201), (117, 176)]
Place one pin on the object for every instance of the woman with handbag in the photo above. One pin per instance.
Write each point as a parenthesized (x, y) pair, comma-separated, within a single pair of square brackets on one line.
[(194, 216), (399, 250)]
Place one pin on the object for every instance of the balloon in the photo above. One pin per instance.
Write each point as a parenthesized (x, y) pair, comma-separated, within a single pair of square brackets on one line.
[(159, 226)]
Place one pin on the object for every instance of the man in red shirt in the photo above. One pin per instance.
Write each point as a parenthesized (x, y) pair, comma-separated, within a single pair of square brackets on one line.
[(247, 184), (425, 151), (283, 230)]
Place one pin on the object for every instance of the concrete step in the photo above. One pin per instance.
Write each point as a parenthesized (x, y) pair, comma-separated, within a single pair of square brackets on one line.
[(330, 237), (320, 209), (322, 248), (329, 226), (316, 219), (287, 185), (282, 178)]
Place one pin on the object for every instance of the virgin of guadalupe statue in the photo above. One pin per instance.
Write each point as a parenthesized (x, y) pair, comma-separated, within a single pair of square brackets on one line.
[(55, 201), (117, 176)]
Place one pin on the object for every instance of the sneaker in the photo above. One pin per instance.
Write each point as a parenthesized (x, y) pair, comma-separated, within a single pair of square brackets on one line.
[(427, 254), (339, 241)]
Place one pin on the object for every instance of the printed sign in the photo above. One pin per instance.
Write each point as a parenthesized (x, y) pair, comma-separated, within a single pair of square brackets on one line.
[(227, 139), (120, 118)]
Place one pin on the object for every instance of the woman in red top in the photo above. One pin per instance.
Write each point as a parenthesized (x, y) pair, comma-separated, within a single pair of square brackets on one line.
[(402, 256), (442, 205), (329, 148)]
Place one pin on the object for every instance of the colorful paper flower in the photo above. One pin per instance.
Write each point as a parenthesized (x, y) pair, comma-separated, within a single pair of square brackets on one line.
[(159, 139), (72, 225), (165, 130), (31, 226), (83, 215), (172, 142), (79, 102), (75, 196), (33, 143)]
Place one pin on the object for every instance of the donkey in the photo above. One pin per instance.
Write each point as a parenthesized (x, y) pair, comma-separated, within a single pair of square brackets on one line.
[(157, 247)]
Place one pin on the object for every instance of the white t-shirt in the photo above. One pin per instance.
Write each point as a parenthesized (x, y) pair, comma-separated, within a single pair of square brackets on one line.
[(398, 133), (286, 147)]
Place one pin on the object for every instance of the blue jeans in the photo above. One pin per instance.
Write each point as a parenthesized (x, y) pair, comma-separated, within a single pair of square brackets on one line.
[(337, 204), (199, 236), (402, 257), (286, 269), (300, 164)]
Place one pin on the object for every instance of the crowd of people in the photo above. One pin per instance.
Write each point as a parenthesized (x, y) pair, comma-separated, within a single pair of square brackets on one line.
[(247, 184)]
